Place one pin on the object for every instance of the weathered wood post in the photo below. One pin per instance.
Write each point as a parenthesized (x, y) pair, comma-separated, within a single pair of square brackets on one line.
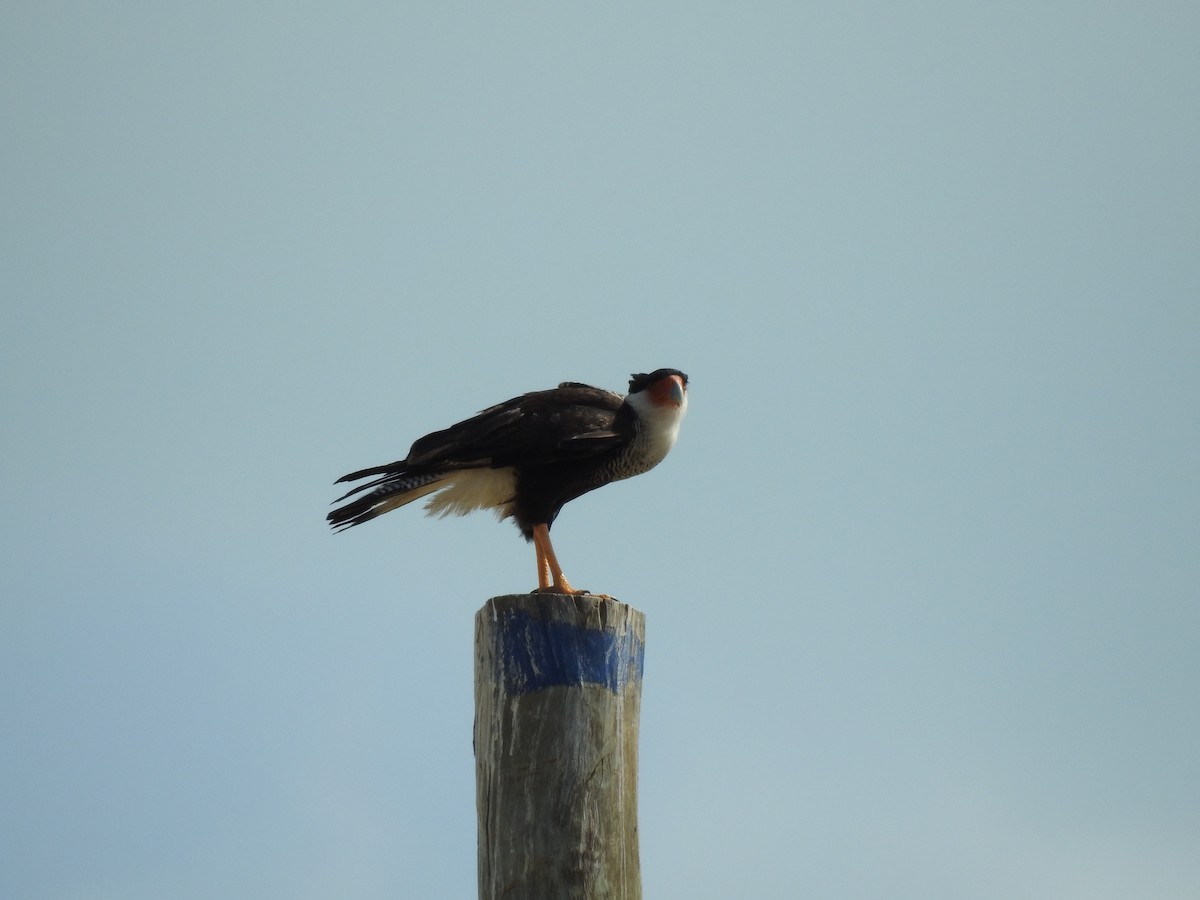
[(558, 684)]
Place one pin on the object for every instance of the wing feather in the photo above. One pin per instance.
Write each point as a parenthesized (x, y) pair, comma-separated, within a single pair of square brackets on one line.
[(569, 421)]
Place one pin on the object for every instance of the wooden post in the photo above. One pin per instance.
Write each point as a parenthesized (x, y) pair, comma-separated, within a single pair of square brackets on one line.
[(558, 683)]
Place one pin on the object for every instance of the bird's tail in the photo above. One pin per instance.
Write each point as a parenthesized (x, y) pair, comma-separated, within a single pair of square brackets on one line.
[(394, 488)]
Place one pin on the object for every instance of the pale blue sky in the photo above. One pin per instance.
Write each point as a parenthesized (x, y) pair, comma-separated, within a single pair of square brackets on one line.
[(921, 577)]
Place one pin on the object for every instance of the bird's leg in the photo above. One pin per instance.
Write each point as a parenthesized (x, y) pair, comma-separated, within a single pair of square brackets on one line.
[(548, 565), (543, 566)]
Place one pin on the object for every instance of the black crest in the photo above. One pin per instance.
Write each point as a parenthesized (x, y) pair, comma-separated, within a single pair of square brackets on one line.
[(641, 382)]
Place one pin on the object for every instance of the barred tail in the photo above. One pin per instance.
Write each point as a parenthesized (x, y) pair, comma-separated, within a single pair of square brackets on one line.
[(394, 489)]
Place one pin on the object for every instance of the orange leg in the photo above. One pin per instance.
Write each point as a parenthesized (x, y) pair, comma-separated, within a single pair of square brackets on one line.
[(550, 574), (543, 566)]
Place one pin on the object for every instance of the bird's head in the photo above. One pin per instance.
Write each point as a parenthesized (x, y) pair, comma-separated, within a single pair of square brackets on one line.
[(663, 388), (660, 400)]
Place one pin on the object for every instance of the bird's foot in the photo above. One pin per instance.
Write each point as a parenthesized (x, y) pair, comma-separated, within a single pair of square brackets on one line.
[(559, 589), (556, 583), (569, 591)]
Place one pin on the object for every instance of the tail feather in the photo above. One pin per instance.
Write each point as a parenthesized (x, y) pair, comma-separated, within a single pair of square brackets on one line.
[(390, 479), (390, 469), (392, 490)]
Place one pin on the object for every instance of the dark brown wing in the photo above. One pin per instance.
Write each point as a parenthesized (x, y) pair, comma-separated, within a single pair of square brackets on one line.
[(570, 421)]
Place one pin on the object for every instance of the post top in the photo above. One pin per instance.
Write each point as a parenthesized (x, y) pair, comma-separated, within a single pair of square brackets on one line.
[(538, 641)]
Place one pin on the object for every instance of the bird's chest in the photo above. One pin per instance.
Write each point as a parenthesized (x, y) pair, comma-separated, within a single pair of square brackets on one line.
[(642, 455)]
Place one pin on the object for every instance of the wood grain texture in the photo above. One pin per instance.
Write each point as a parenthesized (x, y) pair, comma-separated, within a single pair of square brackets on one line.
[(557, 699)]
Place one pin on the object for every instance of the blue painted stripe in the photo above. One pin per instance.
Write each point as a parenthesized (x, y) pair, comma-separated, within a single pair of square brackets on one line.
[(536, 654)]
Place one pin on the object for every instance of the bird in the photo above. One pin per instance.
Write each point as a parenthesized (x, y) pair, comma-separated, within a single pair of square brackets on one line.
[(527, 457)]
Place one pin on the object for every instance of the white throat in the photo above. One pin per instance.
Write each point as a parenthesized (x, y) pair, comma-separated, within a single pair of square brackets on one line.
[(658, 426)]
